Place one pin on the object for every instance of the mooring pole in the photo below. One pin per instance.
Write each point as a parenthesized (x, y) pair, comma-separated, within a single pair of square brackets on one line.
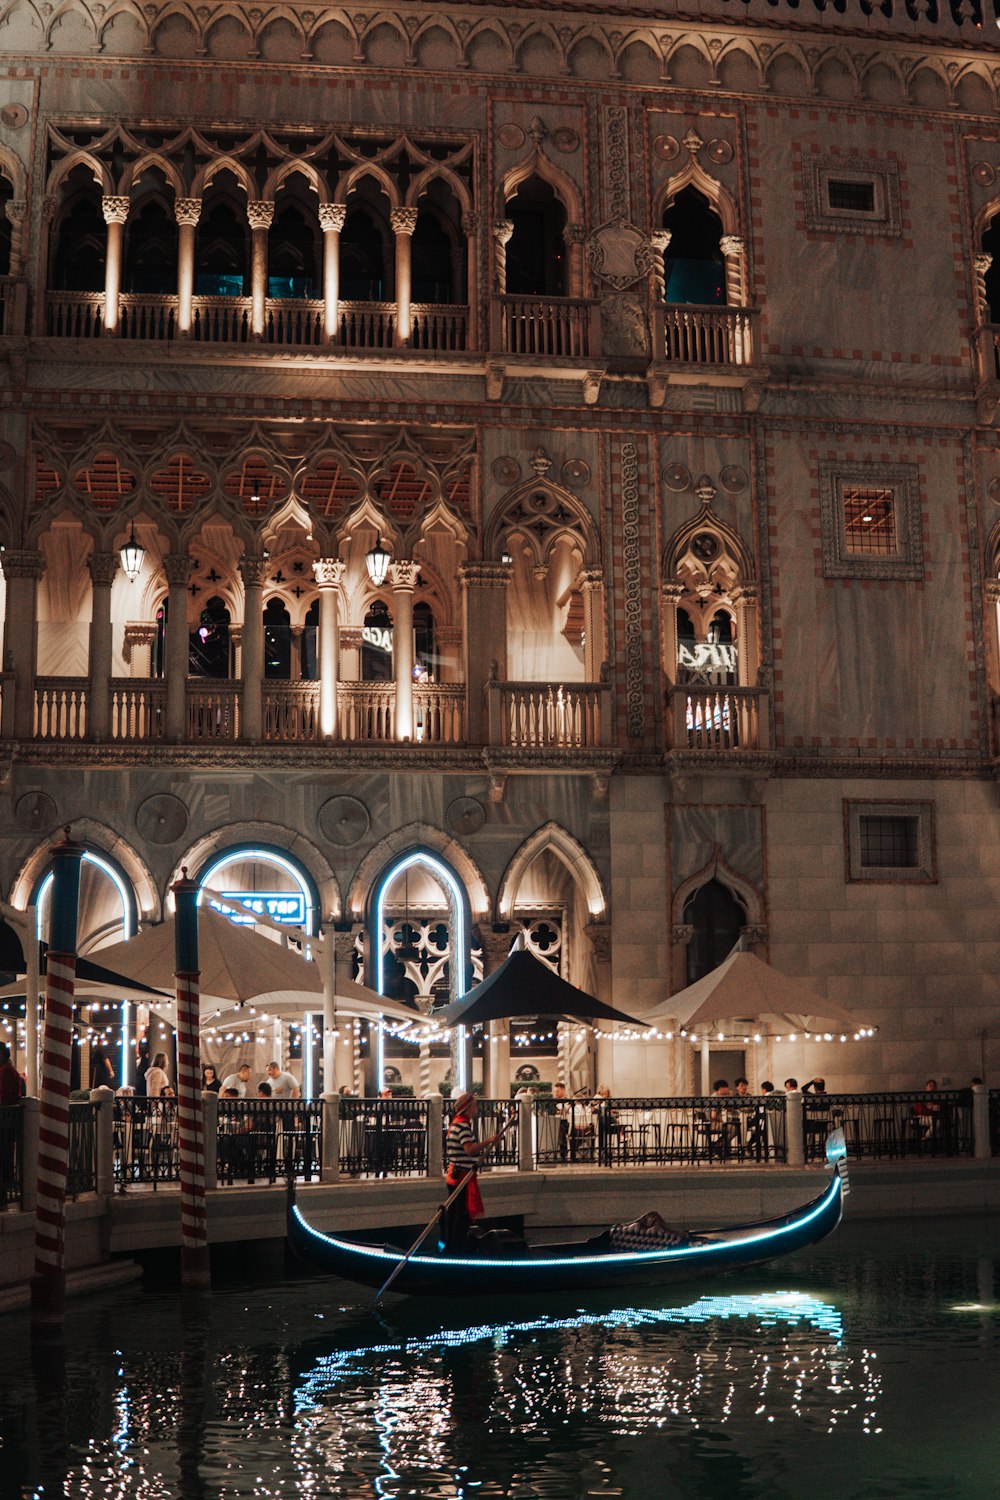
[(48, 1287), (195, 1266)]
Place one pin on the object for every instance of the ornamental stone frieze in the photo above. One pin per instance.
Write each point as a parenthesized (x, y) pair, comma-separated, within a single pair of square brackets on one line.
[(403, 576), (485, 575), (24, 564), (619, 253)]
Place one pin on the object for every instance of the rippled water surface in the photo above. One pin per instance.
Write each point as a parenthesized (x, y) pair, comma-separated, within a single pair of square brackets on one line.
[(866, 1367)]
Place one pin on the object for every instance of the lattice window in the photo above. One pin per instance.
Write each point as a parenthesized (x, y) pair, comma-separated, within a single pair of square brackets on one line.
[(47, 480), (180, 485), (869, 521), (402, 488), (256, 484), (890, 841), (104, 481), (328, 488)]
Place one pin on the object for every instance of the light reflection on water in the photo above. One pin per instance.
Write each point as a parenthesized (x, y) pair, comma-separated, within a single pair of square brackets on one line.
[(863, 1369)]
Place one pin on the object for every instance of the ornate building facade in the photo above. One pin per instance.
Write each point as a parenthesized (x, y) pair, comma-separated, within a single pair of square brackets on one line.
[(559, 450)]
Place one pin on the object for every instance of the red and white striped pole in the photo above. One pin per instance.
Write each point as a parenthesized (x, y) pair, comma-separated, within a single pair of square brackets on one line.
[(195, 1265), (48, 1287)]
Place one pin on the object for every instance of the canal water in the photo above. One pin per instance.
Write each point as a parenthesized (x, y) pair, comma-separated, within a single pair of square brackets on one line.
[(864, 1369)]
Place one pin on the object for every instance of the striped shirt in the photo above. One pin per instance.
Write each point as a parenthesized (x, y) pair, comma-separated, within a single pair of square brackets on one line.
[(459, 1133)]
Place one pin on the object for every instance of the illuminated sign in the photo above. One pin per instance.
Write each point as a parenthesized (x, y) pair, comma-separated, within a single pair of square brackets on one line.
[(280, 906), (707, 656), (379, 637)]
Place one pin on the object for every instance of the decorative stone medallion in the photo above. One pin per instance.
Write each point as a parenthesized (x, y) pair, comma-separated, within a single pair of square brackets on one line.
[(677, 477), (506, 470), (510, 136), (575, 471), (13, 116), (667, 147), (35, 811), (565, 139), (720, 152), (734, 479), (162, 818), (984, 174), (343, 820), (619, 253), (465, 815)]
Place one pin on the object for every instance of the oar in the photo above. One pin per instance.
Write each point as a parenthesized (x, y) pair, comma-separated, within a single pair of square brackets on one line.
[(426, 1231)]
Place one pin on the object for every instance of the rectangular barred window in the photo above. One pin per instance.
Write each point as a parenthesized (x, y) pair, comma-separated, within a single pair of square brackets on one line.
[(869, 521), (890, 843), (851, 197)]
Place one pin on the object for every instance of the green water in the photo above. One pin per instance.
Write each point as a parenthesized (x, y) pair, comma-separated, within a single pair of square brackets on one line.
[(866, 1367)]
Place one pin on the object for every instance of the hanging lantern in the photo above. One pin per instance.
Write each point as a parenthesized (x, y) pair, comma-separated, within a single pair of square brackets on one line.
[(377, 562), (132, 554)]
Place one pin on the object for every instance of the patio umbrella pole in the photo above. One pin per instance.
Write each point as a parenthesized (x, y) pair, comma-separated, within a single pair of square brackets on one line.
[(195, 1264), (48, 1287)]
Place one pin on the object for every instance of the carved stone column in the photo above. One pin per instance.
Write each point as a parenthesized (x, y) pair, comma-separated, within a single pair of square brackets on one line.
[(332, 217), (485, 629), (260, 212), (115, 211), (983, 262), (472, 228), (403, 577), (660, 242), (350, 637), (574, 236), (329, 574), (137, 647), (744, 598), (671, 594), (22, 570), (591, 583), (733, 247), (496, 1081), (17, 214), (178, 570), (252, 571), (187, 212), (404, 222), (103, 567), (502, 231)]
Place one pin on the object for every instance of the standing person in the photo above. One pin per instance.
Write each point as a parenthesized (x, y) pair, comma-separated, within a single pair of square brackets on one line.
[(11, 1082), (563, 1111), (141, 1069), (283, 1085), (156, 1077), (102, 1071), (11, 1092), (210, 1081), (461, 1151), (237, 1081)]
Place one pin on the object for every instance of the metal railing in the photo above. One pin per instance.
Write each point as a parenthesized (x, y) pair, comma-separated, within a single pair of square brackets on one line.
[(142, 316), (715, 718), (294, 322), (81, 1173), (260, 1140), (660, 1132), (553, 327), (384, 1137), (890, 1125), (695, 335), (11, 1154), (495, 1117), (438, 327), (146, 1151), (545, 715)]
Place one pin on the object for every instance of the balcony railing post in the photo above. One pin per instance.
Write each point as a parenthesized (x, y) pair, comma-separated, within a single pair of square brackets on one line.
[(29, 1154), (210, 1128), (435, 1137), (104, 1133), (981, 1146), (794, 1134), (329, 1166)]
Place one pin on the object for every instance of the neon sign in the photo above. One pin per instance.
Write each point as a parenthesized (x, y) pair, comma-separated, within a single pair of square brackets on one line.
[(701, 656), (281, 906)]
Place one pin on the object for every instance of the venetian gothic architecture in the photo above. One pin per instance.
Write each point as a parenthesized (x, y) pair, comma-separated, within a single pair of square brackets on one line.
[(474, 470)]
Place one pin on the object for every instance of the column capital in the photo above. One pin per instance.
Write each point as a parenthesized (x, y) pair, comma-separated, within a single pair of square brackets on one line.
[(590, 578), (403, 220), (115, 209), (351, 637), (332, 216), (16, 210), (671, 591), (732, 244), (472, 222), (49, 206), (260, 212), (983, 260), (496, 946), (485, 575), (22, 564), (178, 568), (502, 230), (745, 593), (253, 570), (329, 572), (187, 210), (682, 933), (103, 567), (138, 633), (660, 239), (403, 576), (599, 934)]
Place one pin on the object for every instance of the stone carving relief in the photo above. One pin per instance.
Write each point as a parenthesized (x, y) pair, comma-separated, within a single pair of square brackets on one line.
[(633, 600), (616, 161), (619, 253), (624, 327)]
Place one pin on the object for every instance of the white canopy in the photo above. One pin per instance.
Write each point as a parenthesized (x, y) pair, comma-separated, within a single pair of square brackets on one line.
[(745, 992)]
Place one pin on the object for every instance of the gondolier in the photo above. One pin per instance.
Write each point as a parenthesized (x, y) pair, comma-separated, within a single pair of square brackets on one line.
[(461, 1151)]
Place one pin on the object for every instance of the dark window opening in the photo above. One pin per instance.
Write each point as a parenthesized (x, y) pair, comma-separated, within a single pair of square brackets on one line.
[(425, 664), (693, 263), (852, 197), (277, 641), (890, 843), (291, 256), (362, 259), (221, 254), (208, 646), (6, 228), (310, 640), (158, 656), (151, 251), (436, 265), (78, 264), (991, 245), (536, 251), (718, 920), (376, 644), (870, 521)]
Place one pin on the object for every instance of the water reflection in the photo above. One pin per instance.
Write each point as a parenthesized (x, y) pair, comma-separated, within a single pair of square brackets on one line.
[(876, 1351)]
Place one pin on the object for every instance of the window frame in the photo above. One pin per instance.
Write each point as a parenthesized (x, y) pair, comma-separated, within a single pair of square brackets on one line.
[(924, 872), (906, 564), (882, 174)]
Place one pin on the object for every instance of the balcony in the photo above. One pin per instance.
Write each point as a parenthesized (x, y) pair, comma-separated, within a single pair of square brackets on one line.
[(547, 716), (717, 720), (545, 327), (288, 323)]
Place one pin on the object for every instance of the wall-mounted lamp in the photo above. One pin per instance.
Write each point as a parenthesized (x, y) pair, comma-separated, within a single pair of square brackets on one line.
[(377, 562)]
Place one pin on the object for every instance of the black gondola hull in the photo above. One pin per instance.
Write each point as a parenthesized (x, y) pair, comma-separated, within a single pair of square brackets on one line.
[(561, 1268)]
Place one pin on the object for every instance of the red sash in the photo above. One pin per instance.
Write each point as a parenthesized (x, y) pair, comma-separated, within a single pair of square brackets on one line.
[(473, 1197)]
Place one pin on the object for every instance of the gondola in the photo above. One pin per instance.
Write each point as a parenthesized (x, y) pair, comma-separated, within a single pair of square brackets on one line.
[(574, 1266)]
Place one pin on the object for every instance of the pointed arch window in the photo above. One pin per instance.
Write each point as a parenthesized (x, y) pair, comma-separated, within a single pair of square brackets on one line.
[(694, 267), (277, 641), (151, 250), (209, 644), (718, 919), (536, 251), (376, 644), (310, 637)]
